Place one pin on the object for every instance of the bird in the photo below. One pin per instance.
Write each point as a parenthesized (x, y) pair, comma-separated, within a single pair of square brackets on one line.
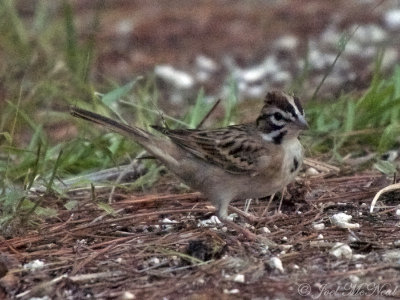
[(250, 160)]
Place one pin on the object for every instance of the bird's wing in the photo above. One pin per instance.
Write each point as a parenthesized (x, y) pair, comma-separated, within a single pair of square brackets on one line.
[(236, 149)]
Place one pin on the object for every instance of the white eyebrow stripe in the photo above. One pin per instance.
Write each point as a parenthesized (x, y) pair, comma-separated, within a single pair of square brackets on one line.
[(296, 110)]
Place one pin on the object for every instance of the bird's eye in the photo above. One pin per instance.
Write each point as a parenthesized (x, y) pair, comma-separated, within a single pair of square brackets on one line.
[(278, 116)]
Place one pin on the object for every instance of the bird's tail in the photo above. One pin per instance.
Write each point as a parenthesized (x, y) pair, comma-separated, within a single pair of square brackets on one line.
[(137, 134), (161, 148)]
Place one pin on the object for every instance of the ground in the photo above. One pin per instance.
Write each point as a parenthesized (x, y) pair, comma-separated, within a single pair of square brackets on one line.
[(162, 244), (158, 246)]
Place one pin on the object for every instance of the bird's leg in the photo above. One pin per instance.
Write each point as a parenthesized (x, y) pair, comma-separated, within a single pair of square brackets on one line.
[(249, 217), (280, 202), (222, 211), (269, 203)]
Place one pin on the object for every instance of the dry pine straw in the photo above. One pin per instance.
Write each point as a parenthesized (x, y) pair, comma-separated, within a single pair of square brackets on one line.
[(88, 252)]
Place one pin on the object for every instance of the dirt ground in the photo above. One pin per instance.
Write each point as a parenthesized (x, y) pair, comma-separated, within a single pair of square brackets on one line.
[(158, 246), (163, 245)]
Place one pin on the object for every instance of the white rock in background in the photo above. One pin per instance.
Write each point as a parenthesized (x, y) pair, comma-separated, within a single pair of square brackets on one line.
[(206, 63), (177, 78), (254, 91), (330, 36), (257, 73), (124, 26), (340, 250), (286, 43), (389, 59), (206, 67), (281, 77), (319, 60), (341, 220), (392, 19), (353, 48), (369, 34)]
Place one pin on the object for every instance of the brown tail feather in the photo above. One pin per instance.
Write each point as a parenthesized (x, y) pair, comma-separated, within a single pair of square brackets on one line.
[(137, 133)]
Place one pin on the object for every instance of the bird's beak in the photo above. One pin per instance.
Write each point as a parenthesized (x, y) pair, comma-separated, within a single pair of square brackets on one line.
[(301, 123)]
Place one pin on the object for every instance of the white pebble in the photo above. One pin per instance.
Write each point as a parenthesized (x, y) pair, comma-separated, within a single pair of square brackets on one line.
[(276, 263), (233, 291), (128, 296), (209, 222), (358, 256), (239, 278), (392, 19), (286, 42), (177, 78), (319, 226), (398, 212), (369, 33), (155, 260), (392, 255), (206, 63), (167, 226), (354, 278), (311, 172), (340, 250), (37, 264), (396, 243), (341, 220), (265, 230)]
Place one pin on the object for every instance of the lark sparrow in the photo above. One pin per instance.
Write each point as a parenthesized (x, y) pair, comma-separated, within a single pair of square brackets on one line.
[(250, 160)]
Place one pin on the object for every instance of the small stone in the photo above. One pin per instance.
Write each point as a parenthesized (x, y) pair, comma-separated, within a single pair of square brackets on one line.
[(392, 255), (206, 63), (155, 260), (233, 291), (265, 230), (127, 296), (276, 263), (239, 278), (354, 278), (286, 43), (358, 256), (37, 264), (177, 78), (319, 226), (311, 172), (341, 220), (341, 250), (392, 19)]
